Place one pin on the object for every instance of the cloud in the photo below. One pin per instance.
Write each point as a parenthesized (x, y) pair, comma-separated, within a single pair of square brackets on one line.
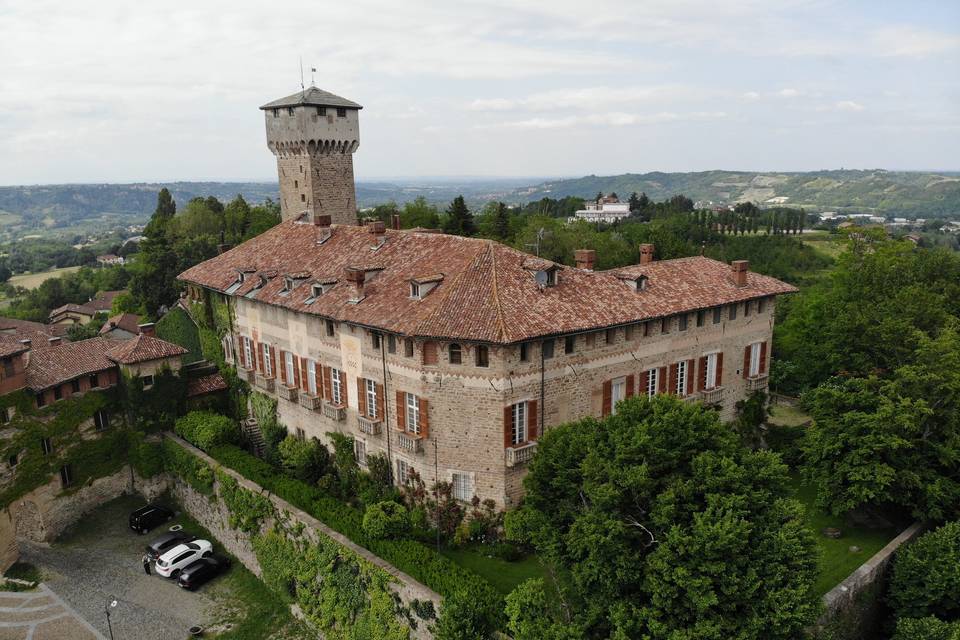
[(789, 93), (593, 98), (610, 119), (843, 105), (912, 42)]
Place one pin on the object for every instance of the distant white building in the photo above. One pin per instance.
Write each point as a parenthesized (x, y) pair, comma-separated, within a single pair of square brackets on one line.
[(607, 209)]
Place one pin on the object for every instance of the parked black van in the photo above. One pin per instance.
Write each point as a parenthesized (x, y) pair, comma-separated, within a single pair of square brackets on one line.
[(202, 570), (149, 516)]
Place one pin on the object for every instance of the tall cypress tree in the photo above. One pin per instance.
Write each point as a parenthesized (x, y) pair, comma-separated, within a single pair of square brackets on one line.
[(501, 222), (459, 219)]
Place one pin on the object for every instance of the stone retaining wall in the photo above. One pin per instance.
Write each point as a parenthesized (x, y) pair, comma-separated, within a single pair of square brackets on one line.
[(213, 514), (853, 607)]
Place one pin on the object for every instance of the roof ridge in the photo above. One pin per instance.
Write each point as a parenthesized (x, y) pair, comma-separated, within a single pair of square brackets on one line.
[(501, 324)]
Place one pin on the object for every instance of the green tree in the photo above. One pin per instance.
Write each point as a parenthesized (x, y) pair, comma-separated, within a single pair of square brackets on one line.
[(262, 218), (79, 332), (501, 222), (926, 576), (419, 213), (663, 526), (929, 628), (236, 220), (459, 219)]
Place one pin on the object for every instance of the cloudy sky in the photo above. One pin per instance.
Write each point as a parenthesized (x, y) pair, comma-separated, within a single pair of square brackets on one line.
[(117, 91)]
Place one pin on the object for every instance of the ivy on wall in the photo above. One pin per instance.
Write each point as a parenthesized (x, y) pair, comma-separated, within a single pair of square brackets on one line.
[(247, 509), (182, 463)]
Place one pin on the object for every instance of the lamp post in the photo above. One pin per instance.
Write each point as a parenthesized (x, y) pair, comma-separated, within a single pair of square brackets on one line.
[(110, 604)]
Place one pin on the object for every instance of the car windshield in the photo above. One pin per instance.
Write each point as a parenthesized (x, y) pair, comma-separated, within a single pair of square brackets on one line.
[(193, 546)]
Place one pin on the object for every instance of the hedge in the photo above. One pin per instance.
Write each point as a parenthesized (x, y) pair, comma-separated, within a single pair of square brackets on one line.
[(410, 556), (206, 430)]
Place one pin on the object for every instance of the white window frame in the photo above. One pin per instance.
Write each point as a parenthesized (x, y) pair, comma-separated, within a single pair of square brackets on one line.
[(370, 387), (462, 485), (101, 421), (518, 423), (312, 377), (227, 344), (618, 392), (288, 367), (711, 381), (415, 291), (336, 386), (360, 451), (248, 353), (754, 360), (681, 388), (403, 471), (653, 381), (267, 361), (413, 414)]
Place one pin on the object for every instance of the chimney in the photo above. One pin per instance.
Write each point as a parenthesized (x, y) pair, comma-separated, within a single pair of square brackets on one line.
[(356, 278), (379, 231), (223, 247), (646, 253), (396, 222), (146, 328), (585, 258), (740, 269), (54, 341), (321, 219)]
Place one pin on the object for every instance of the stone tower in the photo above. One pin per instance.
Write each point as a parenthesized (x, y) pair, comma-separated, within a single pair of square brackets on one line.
[(313, 134)]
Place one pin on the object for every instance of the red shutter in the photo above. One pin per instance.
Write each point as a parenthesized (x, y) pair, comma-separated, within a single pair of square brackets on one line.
[(296, 373), (690, 374), (379, 389), (507, 426), (746, 362), (532, 420), (702, 374), (283, 369), (607, 399), (401, 411), (672, 382), (304, 376), (273, 355), (424, 417), (763, 357), (344, 389), (361, 397), (644, 382), (327, 384), (258, 356), (720, 368), (630, 381), (428, 352), (662, 380)]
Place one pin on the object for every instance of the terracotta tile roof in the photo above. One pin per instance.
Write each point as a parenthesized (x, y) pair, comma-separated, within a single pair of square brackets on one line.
[(488, 293), (14, 326), (129, 322), (11, 345), (206, 384), (103, 301), (85, 309), (55, 364), (143, 349)]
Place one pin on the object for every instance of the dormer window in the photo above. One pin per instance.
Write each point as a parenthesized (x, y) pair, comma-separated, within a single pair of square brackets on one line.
[(420, 287), (317, 289), (543, 271), (415, 291), (547, 278), (637, 283)]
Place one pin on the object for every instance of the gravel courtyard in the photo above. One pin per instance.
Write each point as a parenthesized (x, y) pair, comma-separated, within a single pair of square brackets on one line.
[(99, 560)]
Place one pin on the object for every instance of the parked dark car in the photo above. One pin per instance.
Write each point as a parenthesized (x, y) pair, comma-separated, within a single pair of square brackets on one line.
[(148, 517), (202, 570), (166, 542)]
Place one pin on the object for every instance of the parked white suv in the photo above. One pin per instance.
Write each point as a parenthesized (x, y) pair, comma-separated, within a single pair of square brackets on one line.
[(173, 561)]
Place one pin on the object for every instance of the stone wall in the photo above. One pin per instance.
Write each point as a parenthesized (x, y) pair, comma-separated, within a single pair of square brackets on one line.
[(466, 402), (213, 514), (44, 513), (852, 609)]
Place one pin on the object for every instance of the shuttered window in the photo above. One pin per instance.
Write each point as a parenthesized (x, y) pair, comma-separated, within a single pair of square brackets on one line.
[(518, 427), (312, 377), (413, 413), (653, 382), (267, 361), (371, 395), (682, 373), (336, 386)]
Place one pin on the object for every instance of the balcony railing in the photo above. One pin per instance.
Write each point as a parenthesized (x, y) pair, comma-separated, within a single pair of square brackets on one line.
[(712, 396), (369, 426), (334, 412), (521, 454), (288, 393), (409, 442), (757, 383), (309, 401), (264, 382)]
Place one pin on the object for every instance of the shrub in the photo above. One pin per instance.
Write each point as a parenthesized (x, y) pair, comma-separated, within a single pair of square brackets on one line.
[(386, 520), (305, 460), (926, 576), (474, 612), (207, 430), (929, 628), (787, 441)]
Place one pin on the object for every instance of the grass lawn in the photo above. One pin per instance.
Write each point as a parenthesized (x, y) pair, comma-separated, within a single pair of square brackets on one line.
[(34, 280), (783, 415), (836, 560), (503, 575)]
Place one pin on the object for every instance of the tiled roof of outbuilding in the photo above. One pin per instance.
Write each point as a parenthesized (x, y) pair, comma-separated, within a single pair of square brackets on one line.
[(129, 322), (143, 348), (55, 364), (488, 293), (206, 384)]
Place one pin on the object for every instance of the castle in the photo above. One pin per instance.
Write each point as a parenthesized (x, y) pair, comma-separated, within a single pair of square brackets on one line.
[(452, 355)]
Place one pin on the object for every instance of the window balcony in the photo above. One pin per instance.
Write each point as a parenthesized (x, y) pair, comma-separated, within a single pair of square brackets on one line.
[(757, 383), (265, 383), (712, 396), (409, 442), (335, 413), (287, 393), (369, 426), (521, 454), (309, 401), (250, 375)]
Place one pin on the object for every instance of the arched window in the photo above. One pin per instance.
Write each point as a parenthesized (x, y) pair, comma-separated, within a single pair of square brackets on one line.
[(456, 353)]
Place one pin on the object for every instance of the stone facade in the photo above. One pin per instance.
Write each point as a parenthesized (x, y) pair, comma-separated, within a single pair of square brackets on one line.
[(44, 513), (465, 406)]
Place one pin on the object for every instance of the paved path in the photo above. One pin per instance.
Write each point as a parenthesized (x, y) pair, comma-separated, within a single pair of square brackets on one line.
[(41, 615)]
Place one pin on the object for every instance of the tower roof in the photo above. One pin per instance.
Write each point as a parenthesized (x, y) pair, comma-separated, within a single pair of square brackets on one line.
[(312, 96)]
